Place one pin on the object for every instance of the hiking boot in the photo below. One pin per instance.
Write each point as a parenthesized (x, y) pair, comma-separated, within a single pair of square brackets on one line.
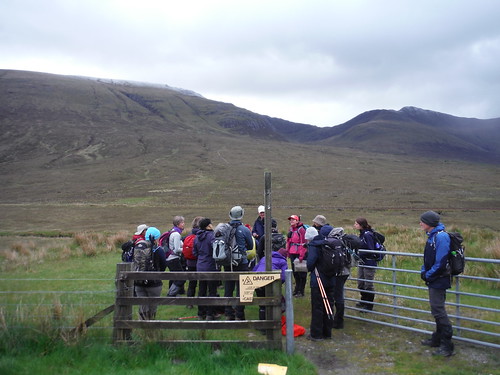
[(360, 305), (444, 351), (430, 342), (309, 337)]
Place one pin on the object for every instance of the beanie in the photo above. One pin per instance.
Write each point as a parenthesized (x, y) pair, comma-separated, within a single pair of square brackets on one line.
[(430, 218), (320, 220), (204, 223)]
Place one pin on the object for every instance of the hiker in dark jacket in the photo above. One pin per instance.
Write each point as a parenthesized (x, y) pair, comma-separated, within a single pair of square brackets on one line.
[(367, 266), (244, 241), (435, 272), (258, 226), (153, 287), (205, 263), (321, 324)]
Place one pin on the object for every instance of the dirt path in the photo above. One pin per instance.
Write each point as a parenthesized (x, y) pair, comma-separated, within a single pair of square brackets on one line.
[(362, 349)]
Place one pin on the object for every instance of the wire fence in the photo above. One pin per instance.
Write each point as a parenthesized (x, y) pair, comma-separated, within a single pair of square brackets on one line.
[(402, 302)]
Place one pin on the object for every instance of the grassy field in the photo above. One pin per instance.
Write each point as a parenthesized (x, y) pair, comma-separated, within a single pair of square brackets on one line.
[(61, 281)]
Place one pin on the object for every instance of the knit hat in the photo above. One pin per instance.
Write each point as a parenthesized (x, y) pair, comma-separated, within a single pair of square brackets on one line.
[(311, 232), (430, 218), (204, 223), (141, 228), (320, 220)]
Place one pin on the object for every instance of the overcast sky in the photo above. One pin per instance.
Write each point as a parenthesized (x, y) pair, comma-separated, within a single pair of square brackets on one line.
[(310, 61)]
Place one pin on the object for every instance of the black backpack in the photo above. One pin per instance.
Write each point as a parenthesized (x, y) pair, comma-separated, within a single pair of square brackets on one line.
[(379, 245), (334, 257), (456, 258), (277, 241)]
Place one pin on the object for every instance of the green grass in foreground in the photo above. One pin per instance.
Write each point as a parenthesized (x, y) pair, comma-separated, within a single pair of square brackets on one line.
[(41, 355)]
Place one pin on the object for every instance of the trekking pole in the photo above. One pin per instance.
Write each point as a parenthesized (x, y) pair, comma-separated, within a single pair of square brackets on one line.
[(328, 308)]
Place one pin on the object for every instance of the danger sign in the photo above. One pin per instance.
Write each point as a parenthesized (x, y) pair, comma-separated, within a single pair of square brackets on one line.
[(248, 283)]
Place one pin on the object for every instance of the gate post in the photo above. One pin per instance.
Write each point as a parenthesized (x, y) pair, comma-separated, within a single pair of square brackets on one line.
[(124, 288)]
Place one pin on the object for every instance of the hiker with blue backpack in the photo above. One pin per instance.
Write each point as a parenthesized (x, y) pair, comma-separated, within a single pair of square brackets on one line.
[(435, 272), (367, 264)]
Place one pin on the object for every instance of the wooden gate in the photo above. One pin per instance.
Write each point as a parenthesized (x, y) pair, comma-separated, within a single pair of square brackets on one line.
[(124, 322)]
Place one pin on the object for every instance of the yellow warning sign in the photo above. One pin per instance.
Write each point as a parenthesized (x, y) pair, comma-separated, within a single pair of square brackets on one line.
[(248, 283)]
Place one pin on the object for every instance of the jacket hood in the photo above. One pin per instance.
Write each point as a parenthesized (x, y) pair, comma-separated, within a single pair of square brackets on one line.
[(438, 228), (202, 234), (325, 230)]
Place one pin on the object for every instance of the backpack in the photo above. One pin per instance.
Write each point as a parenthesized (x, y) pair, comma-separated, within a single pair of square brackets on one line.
[(128, 251), (224, 248), (334, 257), (379, 245), (143, 259), (163, 242), (456, 258), (187, 247), (277, 241)]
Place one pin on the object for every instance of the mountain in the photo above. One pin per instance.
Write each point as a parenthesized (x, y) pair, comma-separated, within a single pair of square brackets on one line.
[(89, 153), (68, 119)]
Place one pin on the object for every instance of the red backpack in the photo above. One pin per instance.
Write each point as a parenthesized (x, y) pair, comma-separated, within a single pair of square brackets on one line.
[(187, 247)]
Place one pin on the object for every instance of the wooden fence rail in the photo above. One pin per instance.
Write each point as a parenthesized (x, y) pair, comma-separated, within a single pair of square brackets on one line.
[(123, 322)]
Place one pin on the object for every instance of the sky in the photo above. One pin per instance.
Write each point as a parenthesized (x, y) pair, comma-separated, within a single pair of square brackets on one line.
[(319, 62)]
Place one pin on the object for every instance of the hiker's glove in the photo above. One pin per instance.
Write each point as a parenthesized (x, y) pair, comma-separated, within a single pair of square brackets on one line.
[(422, 276)]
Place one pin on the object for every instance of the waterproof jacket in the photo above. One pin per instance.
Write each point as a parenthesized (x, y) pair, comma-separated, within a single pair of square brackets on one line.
[(279, 262), (313, 257), (244, 239), (203, 250), (368, 239), (437, 249), (258, 228), (295, 243)]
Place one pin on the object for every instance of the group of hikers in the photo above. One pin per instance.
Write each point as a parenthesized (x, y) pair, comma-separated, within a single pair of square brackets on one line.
[(321, 249)]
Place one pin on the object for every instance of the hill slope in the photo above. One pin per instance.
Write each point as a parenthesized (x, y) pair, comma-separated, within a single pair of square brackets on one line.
[(65, 119), (72, 147)]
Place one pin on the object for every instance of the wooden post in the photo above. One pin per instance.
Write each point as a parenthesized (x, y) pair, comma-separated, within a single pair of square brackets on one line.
[(267, 229), (124, 288)]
